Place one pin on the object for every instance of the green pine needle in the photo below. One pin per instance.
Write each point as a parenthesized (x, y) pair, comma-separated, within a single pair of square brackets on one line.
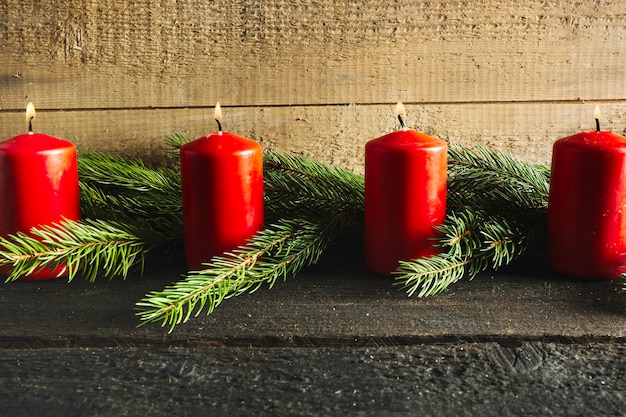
[(430, 276), (296, 185), (177, 140), (483, 177), (91, 248), (497, 211), (277, 252), (125, 173)]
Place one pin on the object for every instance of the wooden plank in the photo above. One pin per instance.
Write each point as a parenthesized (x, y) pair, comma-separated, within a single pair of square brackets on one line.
[(336, 303), (142, 54), (331, 134), (435, 380)]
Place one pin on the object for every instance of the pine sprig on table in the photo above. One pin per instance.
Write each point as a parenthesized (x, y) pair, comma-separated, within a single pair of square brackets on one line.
[(127, 192), (494, 180), (126, 173), (279, 251)]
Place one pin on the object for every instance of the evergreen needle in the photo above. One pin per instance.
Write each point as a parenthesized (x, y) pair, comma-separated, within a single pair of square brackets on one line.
[(278, 251), (90, 248)]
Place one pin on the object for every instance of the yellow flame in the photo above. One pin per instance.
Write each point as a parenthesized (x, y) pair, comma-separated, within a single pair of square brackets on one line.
[(30, 112), (218, 111), (400, 110), (596, 113)]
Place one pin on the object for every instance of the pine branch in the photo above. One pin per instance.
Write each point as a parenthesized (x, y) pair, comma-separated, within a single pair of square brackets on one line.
[(299, 185), (98, 203), (279, 251), (430, 275), (474, 243), (126, 174), (90, 248), (495, 181), (126, 191), (497, 211)]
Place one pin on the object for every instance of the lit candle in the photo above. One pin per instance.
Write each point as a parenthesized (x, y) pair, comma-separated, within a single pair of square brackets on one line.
[(587, 205), (38, 185), (222, 187), (405, 196)]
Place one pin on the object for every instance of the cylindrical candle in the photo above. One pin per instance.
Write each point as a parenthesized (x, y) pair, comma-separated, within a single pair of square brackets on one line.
[(586, 236), (38, 186), (222, 187), (405, 196)]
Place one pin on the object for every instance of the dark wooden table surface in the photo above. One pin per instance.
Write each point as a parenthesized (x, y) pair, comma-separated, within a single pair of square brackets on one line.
[(335, 340)]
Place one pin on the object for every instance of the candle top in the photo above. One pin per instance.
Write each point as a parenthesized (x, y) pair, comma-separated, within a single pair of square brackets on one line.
[(220, 142), (594, 140), (34, 143), (407, 139)]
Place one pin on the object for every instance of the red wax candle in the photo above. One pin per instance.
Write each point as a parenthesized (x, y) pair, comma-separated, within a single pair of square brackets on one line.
[(587, 205), (38, 185), (222, 186), (405, 196)]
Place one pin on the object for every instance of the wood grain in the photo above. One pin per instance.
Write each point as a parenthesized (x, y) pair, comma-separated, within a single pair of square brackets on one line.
[(169, 54), (434, 380), (312, 77)]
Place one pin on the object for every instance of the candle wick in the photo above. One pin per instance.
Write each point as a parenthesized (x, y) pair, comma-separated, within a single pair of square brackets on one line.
[(30, 125), (219, 125), (598, 125), (401, 121)]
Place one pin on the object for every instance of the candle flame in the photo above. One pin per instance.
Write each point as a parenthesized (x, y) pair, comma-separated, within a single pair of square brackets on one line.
[(30, 112), (400, 110), (218, 117), (30, 116), (401, 114), (596, 115), (218, 112)]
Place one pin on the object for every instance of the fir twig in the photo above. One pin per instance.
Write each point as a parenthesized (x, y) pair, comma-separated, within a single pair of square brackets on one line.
[(126, 191), (90, 248), (276, 252), (494, 180), (497, 209), (125, 173), (297, 185)]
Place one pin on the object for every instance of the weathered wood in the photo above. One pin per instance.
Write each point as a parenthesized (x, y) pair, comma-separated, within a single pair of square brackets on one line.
[(486, 379), (337, 339), (64, 54), (331, 134), (511, 75)]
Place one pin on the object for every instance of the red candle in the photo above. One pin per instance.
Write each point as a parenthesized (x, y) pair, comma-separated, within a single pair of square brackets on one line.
[(38, 185), (222, 187), (587, 205), (405, 196)]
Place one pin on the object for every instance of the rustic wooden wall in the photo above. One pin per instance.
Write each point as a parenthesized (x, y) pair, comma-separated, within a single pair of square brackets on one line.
[(316, 77)]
